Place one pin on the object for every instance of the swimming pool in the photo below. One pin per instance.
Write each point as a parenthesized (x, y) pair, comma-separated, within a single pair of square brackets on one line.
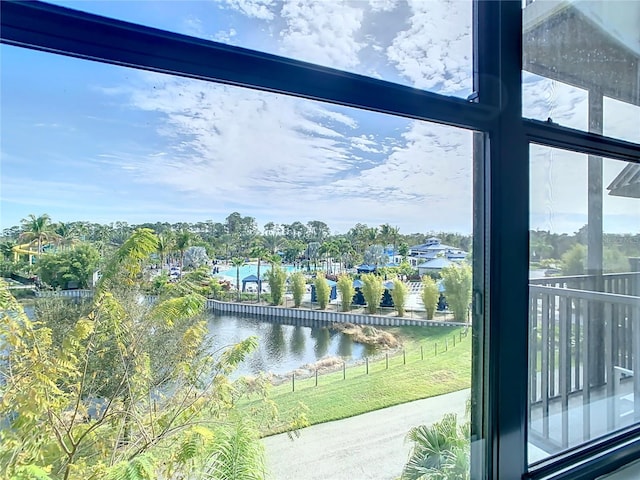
[(252, 269)]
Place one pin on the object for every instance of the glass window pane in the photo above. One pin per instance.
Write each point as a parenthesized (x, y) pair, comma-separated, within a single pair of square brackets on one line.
[(423, 44), (621, 120), (576, 50), (103, 150), (584, 299)]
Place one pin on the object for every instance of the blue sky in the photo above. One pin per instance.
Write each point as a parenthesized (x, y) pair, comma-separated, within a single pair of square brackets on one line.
[(87, 141)]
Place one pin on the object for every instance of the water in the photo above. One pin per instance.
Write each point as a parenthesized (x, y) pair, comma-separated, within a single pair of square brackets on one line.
[(252, 269), (283, 347)]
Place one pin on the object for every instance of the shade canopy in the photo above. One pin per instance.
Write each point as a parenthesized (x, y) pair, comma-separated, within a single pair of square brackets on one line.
[(251, 279)]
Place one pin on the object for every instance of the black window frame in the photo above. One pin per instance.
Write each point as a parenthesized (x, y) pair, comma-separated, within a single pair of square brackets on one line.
[(501, 182)]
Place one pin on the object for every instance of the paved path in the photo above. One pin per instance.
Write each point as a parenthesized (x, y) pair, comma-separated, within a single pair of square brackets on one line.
[(368, 446)]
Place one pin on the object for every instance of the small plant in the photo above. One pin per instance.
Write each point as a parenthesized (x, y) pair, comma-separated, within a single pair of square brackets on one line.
[(430, 296), (323, 291), (345, 287), (298, 287), (399, 294), (440, 451), (372, 289), (277, 279), (457, 281)]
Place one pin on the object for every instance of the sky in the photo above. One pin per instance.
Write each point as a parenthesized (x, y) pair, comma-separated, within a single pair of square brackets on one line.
[(82, 140)]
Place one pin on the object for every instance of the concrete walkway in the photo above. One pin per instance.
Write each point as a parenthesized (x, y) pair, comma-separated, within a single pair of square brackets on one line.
[(368, 446)]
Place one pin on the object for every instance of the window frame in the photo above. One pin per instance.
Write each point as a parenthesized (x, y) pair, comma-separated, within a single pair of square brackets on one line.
[(501, 183)]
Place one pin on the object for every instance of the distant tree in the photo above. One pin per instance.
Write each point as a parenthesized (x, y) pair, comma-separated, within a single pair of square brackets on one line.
[(614, 261), (313, 253), (69, 266), (38, 229), (165, 244), (329, 249), (298, 287), (323, 291), (237, 262), (399, 294), (258, 251), (65, 234), (347, 291), (430, 295), (457, 281), (318, 231), (574, 259), (371, 235), (374, 255), (6, 249), (195, 257), (182, 242), (403, 250), (372, 290), (277, 278), (292, 250)]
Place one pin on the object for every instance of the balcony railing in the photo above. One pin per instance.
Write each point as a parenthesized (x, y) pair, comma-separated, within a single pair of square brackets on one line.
[(583, 355)]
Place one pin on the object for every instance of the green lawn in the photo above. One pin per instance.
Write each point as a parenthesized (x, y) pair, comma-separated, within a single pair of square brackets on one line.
[(335, 398)]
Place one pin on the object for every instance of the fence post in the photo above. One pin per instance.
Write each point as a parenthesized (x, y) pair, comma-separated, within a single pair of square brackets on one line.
[(446, 345), (293, 382), (404, 356), (421, 353), (454, 340), (344, 370), (366, 362), (316, 377)]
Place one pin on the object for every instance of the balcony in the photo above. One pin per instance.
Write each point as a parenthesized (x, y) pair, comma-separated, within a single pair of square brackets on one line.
[(584, 366)]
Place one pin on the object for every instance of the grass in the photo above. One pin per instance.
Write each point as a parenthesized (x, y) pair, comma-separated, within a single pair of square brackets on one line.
[(335, 398)]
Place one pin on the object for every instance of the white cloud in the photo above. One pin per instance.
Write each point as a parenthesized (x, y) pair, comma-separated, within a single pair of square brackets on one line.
[(260, 9), (426, 181), (435, 51), (322, 32), (383, 5), (564, 104), (226, 140), (225, 36)]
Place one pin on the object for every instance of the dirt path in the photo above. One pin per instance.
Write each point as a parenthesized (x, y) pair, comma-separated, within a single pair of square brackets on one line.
[(368, 446)]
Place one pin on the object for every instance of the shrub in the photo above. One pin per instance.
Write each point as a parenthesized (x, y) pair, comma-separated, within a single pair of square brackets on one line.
[(429, 295), (277, 279), (399, 294), (372, 290), (574, 259), (345, 287), (457, 281), (323, 291), (298, 287)]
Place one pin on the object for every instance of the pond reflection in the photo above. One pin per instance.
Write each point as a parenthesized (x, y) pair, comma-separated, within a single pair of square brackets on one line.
[(282, 347)]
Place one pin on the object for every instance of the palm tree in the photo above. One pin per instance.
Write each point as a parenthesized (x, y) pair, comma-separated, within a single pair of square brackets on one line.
[(440, 451), (313, 252), (260, 252), (237, 262), (37, 228), (328, 249), (6, 249), (66, 234), (164, 246), (182, 242)]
